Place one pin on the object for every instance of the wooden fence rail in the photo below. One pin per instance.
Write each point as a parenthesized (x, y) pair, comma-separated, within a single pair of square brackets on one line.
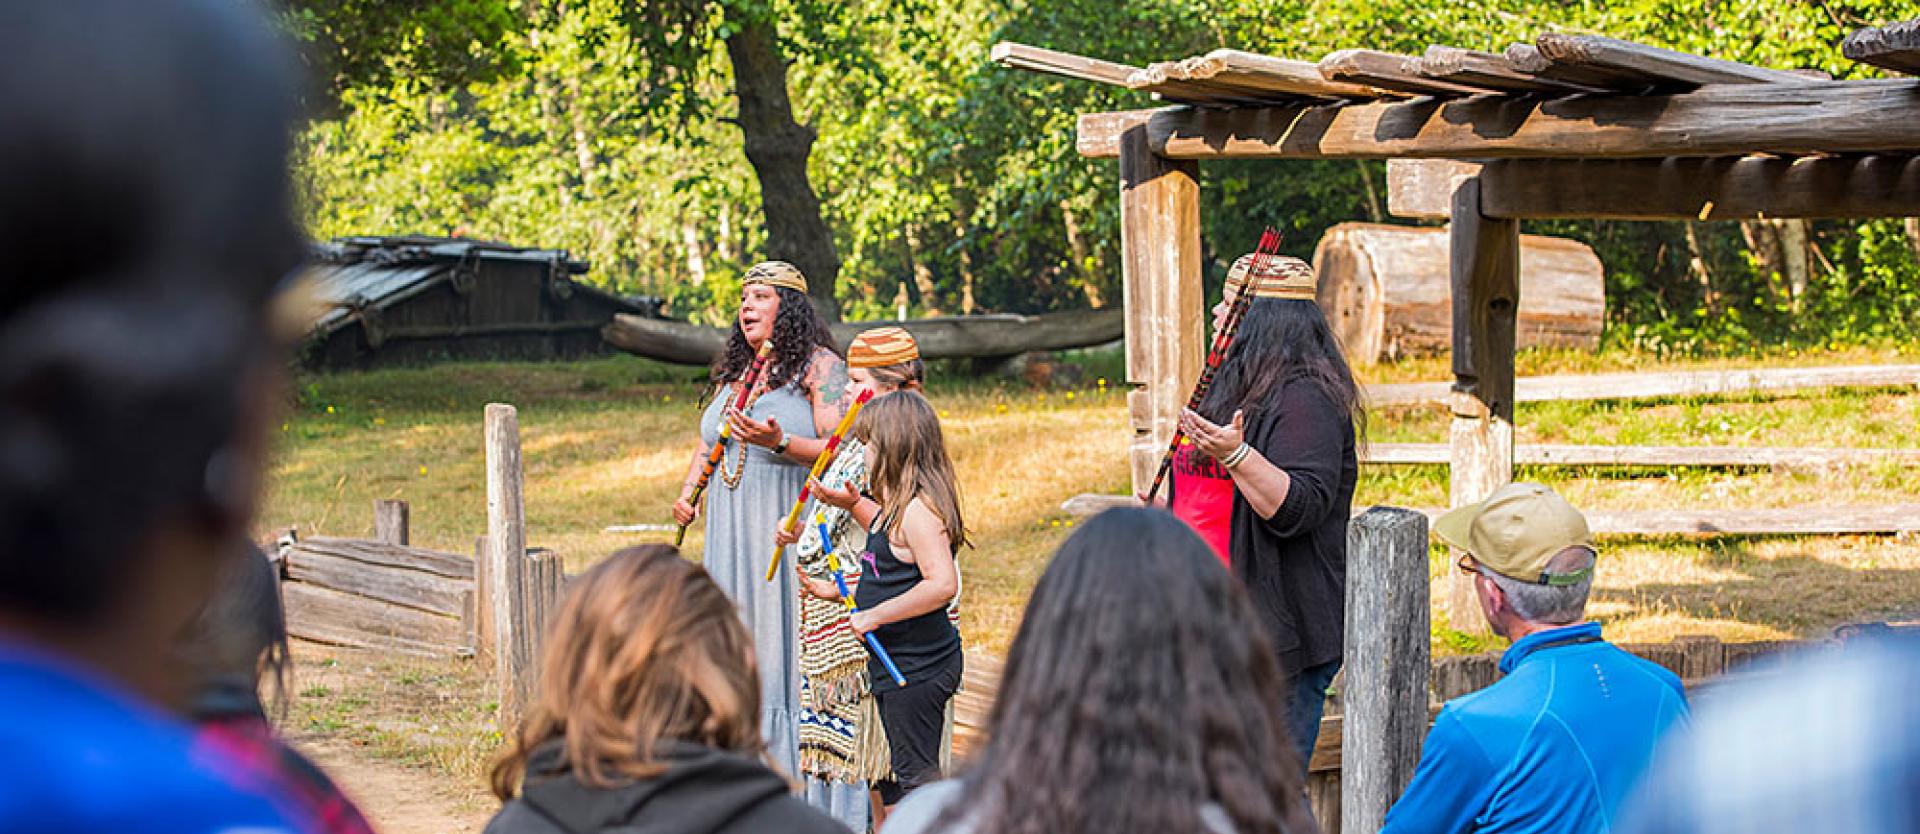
[(1627, 386)]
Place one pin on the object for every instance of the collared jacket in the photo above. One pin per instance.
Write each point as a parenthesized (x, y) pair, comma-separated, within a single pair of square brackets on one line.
[(1555, 746)]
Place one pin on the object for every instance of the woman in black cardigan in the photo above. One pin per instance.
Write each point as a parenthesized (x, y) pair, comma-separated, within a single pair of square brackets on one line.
[(1283, 416)]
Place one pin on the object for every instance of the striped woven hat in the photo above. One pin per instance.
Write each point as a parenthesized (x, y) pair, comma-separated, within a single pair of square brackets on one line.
[(882, 346), (1280, 277), (776, 274)]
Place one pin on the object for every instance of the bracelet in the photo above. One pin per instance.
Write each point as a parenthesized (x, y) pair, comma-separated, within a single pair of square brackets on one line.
[(1237, 456), (780, 448)]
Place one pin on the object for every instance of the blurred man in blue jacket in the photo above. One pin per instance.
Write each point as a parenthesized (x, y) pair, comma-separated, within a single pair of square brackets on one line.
[(1559, 743)]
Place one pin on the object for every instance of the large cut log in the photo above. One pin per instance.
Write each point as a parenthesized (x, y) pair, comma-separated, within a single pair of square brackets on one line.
[(341, 619), (940, 338), (1385, 291)]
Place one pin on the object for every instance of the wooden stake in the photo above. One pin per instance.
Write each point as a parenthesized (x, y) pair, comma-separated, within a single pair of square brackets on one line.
[(1387, 648), (390, 521), (507, 564)]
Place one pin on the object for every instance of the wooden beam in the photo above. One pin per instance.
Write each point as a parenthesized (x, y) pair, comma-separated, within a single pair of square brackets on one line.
[(1277, 75), (1662, 456), (1423, 188), (1801, 117), (1895, 46), (1388, 71), (1485, 262), (1715, 188), (1486, 70), (1664, 384), (1160, 268), (1066, 64), (1097, 135), (1388, 642), (1526, 58), (1653, 62)]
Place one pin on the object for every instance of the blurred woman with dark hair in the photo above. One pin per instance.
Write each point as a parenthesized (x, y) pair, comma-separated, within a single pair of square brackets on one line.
[(1140, 694), (1282, 419), (799, 398), (647, 717), (146, 214)]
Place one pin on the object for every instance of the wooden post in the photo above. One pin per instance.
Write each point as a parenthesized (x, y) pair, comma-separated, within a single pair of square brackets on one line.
[(545, 574), (1387, 648), (507, 564), (1485, 260), (482, 600), (390, 521), (1160, 266)]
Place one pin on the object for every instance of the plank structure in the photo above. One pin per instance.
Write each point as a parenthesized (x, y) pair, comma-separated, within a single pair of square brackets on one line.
[(1659, 456), (1895, 47), (1663, 385)]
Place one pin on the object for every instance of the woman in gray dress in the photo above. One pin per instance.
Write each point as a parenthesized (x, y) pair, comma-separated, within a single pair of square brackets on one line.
[(799, 398)]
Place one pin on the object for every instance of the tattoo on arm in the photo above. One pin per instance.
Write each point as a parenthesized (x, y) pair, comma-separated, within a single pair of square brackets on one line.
[(830, 387)]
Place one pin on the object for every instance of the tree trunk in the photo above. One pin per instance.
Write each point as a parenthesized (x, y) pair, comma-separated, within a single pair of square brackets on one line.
[(922, 275), (777, 147), (1082, 256)]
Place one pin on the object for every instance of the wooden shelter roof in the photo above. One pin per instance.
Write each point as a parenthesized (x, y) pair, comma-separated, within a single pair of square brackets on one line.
[(1561, 96)]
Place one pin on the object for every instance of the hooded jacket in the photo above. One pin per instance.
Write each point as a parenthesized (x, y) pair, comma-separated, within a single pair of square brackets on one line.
[(703, 791)]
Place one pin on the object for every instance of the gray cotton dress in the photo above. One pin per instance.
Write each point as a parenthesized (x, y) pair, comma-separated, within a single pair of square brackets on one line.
[(741, 521)]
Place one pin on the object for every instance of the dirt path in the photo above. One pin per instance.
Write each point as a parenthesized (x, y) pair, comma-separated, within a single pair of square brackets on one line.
[(397, 799)]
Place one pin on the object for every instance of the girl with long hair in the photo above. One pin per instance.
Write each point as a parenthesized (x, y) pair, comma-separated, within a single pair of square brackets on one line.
[(842, 746), (1141, 694), (1282, 419), (908, 579), (647, 715), (799, 398)]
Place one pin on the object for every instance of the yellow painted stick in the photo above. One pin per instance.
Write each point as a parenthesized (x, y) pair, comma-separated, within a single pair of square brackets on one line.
[(819, 465)]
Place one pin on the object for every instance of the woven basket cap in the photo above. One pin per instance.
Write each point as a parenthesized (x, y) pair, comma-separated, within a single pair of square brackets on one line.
[(882, 346), (776, 274), (1279, 277)]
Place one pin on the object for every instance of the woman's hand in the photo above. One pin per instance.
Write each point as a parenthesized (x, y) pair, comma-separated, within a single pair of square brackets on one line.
[(816, 588), (683, 511), (844, 498), (749, 430), (1216, 441), (782, 537), (863, 623)]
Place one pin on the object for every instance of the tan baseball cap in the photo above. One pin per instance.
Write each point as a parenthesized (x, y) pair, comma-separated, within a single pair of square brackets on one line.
[(1517, 531)]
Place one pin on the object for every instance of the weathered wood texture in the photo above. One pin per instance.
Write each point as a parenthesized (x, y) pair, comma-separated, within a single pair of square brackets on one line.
[(507, 563), (1387, 291), (1388, 71), (339, 618), (1423, 188), (940, 338), (1324, 798), (390, 521), (1097, 135), (1661, 67), (1491, 72), (1895, 46), (1661, 385), (546, 578), (1719, 188), (1278, 76), (1792, 459), (1035, 59), (1485, 275), (340, 568), (1792, 118), (1160, 268), (1387, 657), (450, 565), (482, 613)]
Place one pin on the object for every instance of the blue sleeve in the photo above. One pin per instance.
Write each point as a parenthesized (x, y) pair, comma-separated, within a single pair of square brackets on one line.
[(1450, 787)]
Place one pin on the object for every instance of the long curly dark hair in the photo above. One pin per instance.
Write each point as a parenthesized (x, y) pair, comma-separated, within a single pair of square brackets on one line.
[(1278, 340), (1140, 687), (797, 330)]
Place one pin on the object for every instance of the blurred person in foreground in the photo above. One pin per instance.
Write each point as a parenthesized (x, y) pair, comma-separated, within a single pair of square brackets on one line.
[(1559, 743), (146, 220), (648, 715), (238, 643), (1140, 695), (1827, 741)]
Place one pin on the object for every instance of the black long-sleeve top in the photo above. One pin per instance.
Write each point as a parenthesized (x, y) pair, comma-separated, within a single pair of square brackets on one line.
[(1294, 563)]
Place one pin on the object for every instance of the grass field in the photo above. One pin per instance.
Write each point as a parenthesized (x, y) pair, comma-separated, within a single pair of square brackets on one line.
[(605, 443)]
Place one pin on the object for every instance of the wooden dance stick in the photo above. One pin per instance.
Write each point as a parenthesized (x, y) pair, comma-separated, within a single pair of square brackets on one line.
[(820, 465), (719, 449), (840, 581), (1269, 245)]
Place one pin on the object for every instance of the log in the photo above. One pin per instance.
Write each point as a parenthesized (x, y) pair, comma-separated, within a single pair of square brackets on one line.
[(1160, 269), (1658, 65), (1388, 71), (1097, 135), (1388, 642), (1664, 385), (450, 565), (989, 336), (1526, 58), (507, 560), (1791, 118), (1485, 277), (322, 615), (1805, 458), (1720, 188), (1895, 46), (390, 519), (1386, 291), (428, 592)]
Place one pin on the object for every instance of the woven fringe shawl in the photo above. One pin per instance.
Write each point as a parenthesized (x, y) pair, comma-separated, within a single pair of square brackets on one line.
[(840, 734)]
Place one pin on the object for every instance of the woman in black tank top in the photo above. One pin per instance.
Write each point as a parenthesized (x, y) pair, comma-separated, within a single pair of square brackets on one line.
[(918, 644)]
